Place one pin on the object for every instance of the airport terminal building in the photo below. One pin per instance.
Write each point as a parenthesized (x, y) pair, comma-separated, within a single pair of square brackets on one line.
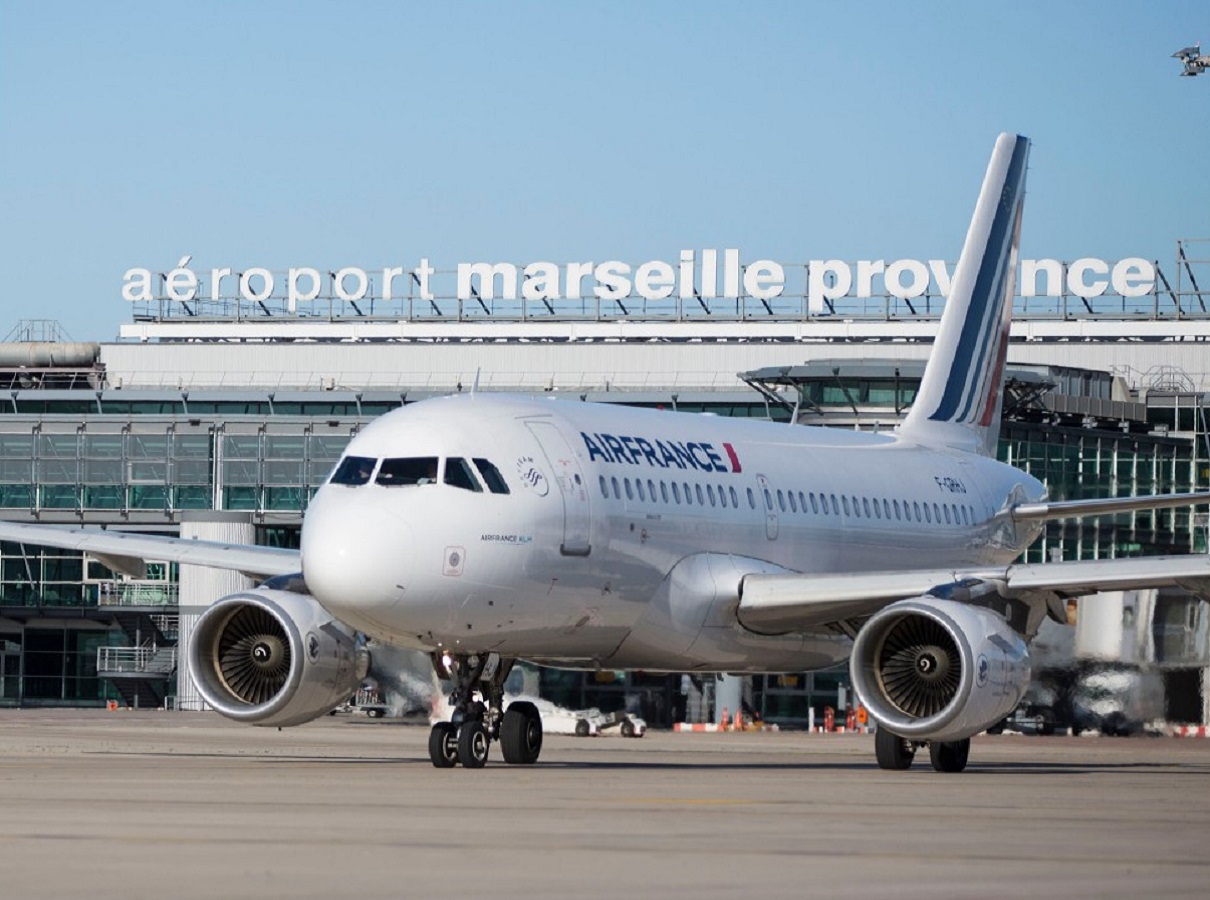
[(238, 410)]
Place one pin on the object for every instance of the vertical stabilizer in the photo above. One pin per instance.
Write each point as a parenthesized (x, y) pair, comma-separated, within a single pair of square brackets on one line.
[(961, 392)]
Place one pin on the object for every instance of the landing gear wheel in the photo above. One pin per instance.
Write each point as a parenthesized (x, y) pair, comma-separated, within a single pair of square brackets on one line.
[(443, 745), (627, 728), (521, 734), (473, 743), (950, 756), (892, 751), (582, 728)]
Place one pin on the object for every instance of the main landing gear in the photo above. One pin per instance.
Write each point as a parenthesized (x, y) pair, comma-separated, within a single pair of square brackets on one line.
[(895, 752), (479, 717)]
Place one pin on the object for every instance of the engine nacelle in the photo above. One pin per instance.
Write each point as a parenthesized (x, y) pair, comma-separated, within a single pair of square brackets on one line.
[(938, 670), (274, 657)]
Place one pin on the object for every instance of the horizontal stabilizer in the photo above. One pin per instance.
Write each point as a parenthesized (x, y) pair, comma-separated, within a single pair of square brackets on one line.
[(1105, 506)]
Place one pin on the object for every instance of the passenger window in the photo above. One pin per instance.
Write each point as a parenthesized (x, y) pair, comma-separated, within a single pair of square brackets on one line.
[(928, 514), (412, 470), (638, 486), (947, 514), (781, 500), (751, 499), (877, 510), (814, 503), (701, 498), (886, 508), (710, 493), (936, 513), (651, 489), (688, 495), (458, 474), (492, 477), (895, 504), (617, 491), (793, 502), (664, 490), (865, 504), (629, 492), (354, 470), (846, 504), (835, 506), (802, 501), (768, 500), (604, 488), (676, 493), (734, 497), (916, 511)]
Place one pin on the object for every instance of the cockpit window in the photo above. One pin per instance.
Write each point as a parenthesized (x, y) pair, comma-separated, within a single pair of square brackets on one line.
[(458, 474), (495, 481), (410, 470), (354, 470)]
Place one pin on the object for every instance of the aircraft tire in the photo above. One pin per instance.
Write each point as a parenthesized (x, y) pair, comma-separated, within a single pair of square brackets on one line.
[(892, 751), (443, 745), (521, 734), (950, 756), (473, 744)]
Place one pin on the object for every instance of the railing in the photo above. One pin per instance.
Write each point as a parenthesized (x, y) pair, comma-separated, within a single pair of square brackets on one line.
[(135, 593), (169, 624), (148, 660)]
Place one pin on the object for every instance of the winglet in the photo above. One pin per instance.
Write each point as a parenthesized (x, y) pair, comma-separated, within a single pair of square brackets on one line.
[(961, 393)]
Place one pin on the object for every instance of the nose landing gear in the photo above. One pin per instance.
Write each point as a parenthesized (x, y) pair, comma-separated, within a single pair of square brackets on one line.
[(479, 716)]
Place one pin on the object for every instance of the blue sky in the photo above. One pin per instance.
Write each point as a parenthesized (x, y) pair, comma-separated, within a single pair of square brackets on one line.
[(371, 134)]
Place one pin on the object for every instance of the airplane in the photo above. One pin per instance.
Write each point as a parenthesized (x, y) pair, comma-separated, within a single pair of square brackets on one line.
[(1194, 61), (484, 529)]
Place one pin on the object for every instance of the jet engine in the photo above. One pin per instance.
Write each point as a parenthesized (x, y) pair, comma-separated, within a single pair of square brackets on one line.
[(938, 670), (274, 657)]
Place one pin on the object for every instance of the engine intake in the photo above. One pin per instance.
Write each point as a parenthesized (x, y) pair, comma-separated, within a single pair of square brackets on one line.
[(273, 657), (938, 670)]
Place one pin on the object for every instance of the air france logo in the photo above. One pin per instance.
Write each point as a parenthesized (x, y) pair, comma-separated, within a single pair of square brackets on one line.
[(637, 451), (982, 670)]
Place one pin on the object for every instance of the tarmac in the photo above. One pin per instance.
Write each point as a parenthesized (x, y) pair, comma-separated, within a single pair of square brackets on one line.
[(123, 804)]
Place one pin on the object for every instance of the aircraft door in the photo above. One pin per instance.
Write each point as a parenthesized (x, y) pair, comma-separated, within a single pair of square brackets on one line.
[(764, 498), (573, 490)]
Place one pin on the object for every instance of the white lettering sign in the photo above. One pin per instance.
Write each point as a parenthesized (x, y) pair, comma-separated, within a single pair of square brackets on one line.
[(707, 274)]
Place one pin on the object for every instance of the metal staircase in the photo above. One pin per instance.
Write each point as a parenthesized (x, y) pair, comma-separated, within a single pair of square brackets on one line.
[(141, 675)]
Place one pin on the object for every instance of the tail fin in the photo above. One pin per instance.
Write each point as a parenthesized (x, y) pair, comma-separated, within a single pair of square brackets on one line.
[(961, 392)]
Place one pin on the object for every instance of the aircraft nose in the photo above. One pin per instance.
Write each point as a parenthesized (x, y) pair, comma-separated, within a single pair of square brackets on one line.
[(350, 558)]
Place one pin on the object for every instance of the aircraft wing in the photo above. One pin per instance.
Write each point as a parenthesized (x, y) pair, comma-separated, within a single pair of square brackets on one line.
[(774, 604), (126, 551)]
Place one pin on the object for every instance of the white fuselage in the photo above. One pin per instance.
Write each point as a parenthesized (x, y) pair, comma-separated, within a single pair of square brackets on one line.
[(624, 532)]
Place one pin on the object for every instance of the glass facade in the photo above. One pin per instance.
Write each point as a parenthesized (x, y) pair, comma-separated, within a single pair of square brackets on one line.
[(103, 465), (1079, 464)]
